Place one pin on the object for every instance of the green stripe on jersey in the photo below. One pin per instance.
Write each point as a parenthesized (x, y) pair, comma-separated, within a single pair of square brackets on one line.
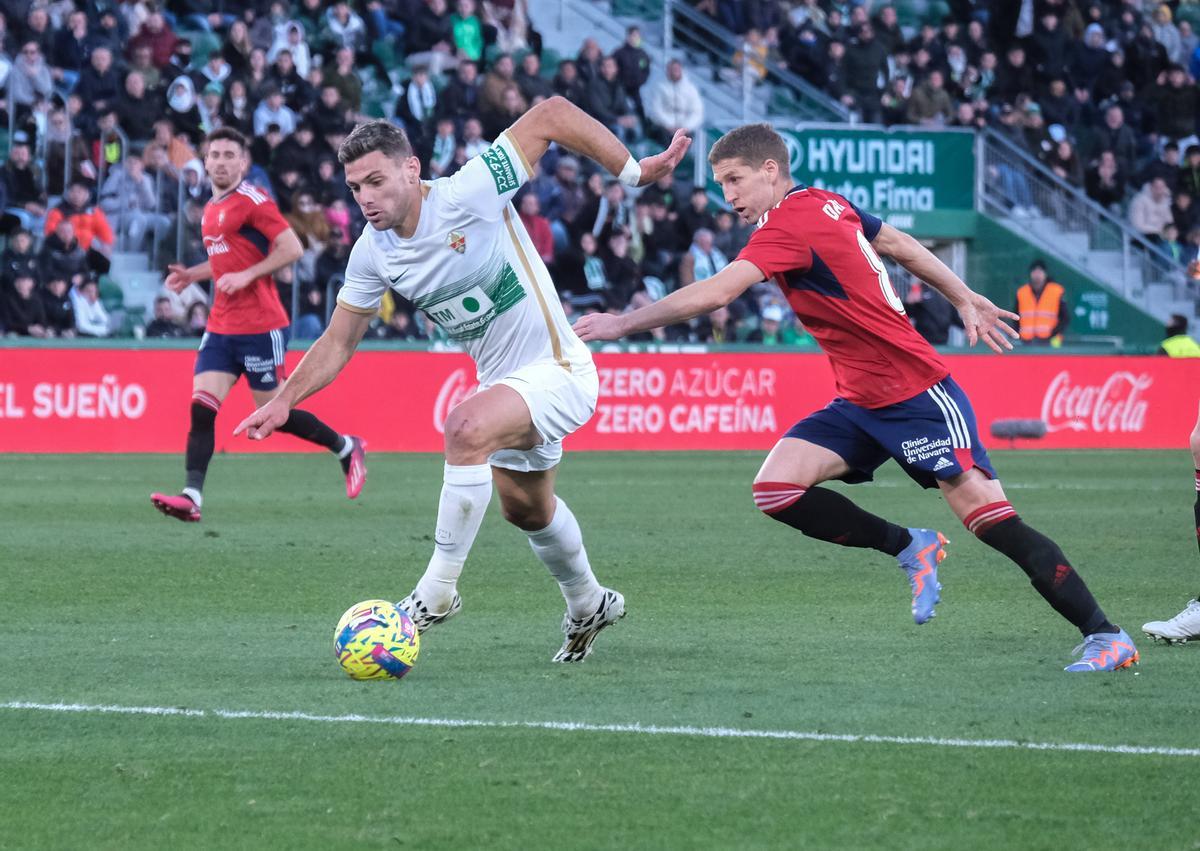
[(464, 309), (501, 167)]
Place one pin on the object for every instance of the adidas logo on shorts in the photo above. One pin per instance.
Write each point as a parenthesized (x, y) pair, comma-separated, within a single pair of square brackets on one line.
[(942, 464)]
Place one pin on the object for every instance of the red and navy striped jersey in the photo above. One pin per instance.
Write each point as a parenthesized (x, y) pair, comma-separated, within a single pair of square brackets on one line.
[(816, 246), (239, 230)]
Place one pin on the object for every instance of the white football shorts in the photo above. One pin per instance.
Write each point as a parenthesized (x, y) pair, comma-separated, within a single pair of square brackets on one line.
[(560, 402)]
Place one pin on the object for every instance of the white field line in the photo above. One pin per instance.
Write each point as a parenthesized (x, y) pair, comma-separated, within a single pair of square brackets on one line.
[(580, 727)]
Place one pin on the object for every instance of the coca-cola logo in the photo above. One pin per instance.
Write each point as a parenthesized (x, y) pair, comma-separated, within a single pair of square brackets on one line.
[(1114, 406), (457, 387)]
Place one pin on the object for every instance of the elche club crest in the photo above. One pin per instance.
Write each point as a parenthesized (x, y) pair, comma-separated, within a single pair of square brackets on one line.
[(457, 240)]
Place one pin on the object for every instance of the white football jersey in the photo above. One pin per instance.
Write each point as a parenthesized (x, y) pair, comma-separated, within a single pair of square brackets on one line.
[(472, 269)]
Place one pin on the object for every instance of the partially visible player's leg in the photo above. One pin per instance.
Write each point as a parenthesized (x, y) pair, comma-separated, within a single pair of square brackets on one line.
[(1185, 626), (963, 471), (262, 360), (1195, 443), (785, 489), (825, 446), (492, 419), (528, 500), (980, 503), (216, 372)]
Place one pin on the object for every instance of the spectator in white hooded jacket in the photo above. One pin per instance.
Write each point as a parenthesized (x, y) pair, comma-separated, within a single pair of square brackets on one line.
[(91, 319), (674, 102)]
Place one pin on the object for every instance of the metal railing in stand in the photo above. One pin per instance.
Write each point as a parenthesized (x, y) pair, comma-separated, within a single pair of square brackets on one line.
[(703, 44), (778, 92), (180, 216), (68, 145), (331, 290), (12, 107), (1060, 217)]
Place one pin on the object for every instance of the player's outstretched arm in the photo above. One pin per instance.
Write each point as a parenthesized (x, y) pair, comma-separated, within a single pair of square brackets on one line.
[(558, 120), (693, 300), (981, 319), (180, 277), (320, 365)]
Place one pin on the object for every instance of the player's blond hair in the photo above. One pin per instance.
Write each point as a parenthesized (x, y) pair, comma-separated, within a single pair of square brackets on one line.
[(753, 144), (382, 136)]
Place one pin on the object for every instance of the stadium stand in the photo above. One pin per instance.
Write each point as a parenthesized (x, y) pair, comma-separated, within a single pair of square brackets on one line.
[(1088, 111)]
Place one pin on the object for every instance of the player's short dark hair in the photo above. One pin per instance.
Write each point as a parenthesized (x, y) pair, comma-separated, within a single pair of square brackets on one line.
[(753, 144), (382, 136), (228, 134)]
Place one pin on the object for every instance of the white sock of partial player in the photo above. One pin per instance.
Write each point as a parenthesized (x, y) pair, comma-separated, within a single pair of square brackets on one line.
[(194, 495), (347, 446), (466, 492), (560, 547)]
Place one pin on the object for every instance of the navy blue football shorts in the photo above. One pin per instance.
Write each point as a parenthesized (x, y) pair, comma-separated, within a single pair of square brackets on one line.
[(932, 436), (257, 356)]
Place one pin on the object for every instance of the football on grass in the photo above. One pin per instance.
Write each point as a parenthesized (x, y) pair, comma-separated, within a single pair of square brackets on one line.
[(376, 640)]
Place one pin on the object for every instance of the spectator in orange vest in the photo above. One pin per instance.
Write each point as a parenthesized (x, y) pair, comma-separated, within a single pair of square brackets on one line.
[(92, 228), (1042, 306)]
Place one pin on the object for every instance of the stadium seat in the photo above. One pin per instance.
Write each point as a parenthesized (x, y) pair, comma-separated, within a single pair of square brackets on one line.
[(111, 294), (384, 49)]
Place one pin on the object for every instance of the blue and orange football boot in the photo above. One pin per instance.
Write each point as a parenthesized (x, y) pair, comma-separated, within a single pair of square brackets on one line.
[(1104, 651), (920, 560)]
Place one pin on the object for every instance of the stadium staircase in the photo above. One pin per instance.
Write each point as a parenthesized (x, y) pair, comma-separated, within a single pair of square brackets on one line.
[(128, 289), (674, 30), (1029, 200), (1024, 196)]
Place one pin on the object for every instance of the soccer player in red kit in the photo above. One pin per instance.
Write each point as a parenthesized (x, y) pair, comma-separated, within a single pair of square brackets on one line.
[(247, 240), (895, 399)]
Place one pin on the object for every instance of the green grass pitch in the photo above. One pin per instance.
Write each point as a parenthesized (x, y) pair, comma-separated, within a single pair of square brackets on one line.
[(734, 622)]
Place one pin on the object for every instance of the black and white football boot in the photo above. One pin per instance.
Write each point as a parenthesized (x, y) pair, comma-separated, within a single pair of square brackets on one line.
[(582, 632)]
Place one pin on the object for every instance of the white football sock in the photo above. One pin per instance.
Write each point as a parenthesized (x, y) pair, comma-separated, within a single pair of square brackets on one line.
[(560, 547), (466, 492), (347, 446)]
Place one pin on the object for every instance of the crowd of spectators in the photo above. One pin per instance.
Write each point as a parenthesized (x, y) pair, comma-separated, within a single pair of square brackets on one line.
[(1103, 92), (112, 101)]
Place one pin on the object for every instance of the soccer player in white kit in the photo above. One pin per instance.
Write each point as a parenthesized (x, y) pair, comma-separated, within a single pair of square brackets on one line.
[(456, 248)]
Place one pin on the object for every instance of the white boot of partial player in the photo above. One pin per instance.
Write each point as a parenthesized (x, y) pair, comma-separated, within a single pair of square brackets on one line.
[(1179, 629)]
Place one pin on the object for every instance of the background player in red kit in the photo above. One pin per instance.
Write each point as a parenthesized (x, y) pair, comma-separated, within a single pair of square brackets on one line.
[(247, 240), (896, 398)]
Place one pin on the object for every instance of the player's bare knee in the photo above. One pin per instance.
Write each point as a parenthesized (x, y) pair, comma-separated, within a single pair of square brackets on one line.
[(1195, 444), (527, 516), (466, 436)]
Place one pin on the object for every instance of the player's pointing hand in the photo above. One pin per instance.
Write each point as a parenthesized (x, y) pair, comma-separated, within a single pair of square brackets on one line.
[(265, 420), (982, 320), (663, 164), (599, 326), (177, 278)]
